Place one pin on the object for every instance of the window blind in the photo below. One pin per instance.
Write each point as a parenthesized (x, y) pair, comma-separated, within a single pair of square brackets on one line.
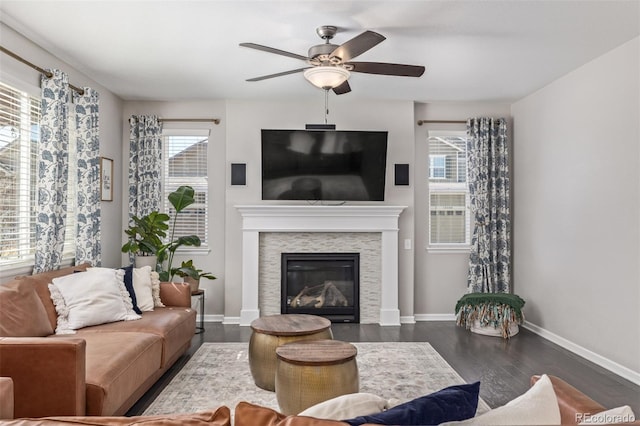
[(71, 229), (185, 163), (19, 138), (19, 135)]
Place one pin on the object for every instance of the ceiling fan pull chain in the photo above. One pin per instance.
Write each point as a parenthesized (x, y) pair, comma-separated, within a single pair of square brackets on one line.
[(326, 105)]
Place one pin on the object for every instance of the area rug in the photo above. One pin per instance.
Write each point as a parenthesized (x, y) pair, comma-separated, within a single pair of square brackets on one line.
[(218, 374)]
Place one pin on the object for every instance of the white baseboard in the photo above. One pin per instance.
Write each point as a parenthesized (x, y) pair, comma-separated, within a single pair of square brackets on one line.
[(435, 317), (614, 367), (213, 318), (231, 320), (408, 319)]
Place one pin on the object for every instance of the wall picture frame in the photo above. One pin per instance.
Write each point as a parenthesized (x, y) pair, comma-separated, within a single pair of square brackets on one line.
[(106, 179)]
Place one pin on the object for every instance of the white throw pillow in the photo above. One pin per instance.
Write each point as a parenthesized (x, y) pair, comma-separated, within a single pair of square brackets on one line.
[(155, 290), (622, 414), (537, 406), (142, 287), (89, 298), (347, 407)]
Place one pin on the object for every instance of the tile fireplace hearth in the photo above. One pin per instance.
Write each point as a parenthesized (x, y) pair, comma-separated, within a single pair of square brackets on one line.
[(261, 219)]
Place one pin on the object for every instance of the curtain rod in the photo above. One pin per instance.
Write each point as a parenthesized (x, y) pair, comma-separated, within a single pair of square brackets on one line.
[(421, 122), (49, 74), (192, 120)]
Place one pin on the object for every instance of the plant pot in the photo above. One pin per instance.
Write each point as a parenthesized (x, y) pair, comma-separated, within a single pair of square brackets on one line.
[(195, 284), (489, 330), (149, 260)]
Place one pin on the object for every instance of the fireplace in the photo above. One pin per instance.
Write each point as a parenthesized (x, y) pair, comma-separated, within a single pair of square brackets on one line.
[(295, 220), (324, 284)]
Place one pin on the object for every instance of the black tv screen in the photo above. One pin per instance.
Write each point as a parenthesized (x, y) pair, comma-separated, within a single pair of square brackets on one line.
[(323, 165)]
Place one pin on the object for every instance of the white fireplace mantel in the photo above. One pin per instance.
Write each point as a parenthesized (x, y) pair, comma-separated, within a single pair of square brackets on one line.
[(300, 218)]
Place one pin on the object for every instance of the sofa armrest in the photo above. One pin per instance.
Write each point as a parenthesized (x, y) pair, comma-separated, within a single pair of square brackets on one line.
[(175, 294), (48, 375), (6, 398), (574, 405)]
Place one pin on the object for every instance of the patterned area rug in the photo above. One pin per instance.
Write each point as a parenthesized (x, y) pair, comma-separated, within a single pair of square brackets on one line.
[(218, 374)]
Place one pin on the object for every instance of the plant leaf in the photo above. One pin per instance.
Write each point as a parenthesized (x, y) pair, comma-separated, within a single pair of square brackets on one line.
[(181, 198)]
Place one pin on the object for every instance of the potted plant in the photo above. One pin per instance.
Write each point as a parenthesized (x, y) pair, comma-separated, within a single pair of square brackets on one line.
[(180, 199), (494, 314), (145, 238), (148, 234), (190, 274)]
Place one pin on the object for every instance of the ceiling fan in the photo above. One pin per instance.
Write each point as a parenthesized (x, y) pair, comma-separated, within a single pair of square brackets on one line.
[(331, 65)]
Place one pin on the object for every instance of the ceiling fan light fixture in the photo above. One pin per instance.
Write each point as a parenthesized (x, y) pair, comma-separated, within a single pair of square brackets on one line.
[(326, 77)]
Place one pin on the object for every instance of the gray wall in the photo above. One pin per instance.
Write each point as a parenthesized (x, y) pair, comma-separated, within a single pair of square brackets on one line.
[(244, 121), (577, 168)]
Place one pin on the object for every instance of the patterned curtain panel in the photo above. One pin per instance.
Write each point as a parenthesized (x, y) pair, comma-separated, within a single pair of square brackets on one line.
[(488, 174), (145, 164), (88, 239), (51, 211)]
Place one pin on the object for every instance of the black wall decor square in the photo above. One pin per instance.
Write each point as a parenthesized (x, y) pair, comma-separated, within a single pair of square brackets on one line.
[(238, 174), (402, 174)]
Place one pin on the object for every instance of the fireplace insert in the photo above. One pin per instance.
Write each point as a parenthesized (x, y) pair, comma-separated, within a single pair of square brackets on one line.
[(324, 284)]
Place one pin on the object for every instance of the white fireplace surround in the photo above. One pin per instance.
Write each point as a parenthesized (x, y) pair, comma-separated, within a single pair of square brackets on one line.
[(321, 218)]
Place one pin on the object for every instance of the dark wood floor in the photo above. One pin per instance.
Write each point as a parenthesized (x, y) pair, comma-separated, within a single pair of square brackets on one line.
[(502, 366)]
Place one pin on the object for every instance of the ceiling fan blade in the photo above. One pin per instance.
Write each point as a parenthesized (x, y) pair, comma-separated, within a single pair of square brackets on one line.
[(279, 74), (357, 45), (342, 89), (273, 50), (383, 68)]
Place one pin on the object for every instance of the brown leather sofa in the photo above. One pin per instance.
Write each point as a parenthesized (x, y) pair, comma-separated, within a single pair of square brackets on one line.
[(573, 406), (100, 371)]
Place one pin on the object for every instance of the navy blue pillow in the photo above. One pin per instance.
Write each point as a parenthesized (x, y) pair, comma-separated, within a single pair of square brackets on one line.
[(128, 283), (454, 403)]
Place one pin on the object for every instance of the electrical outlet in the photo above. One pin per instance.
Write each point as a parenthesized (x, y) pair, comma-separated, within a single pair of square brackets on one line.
[(407, 244)]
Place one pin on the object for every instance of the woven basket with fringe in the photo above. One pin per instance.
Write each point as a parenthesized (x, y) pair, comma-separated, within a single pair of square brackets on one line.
[(499, 311)]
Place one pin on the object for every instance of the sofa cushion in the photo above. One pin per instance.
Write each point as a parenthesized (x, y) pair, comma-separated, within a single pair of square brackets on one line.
[(219, 417), (347, 406), (21, 312), (88, 298), (537, 406), (176, 326), (128, 283), (155, 290), (40, 282), (117, 364), (247, 414), (142, 287), (457, 402)]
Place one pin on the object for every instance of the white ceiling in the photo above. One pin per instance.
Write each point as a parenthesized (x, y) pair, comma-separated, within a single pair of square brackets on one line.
[(496, 50)]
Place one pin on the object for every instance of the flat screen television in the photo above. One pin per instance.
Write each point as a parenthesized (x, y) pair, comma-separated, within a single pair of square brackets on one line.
[(323, 165)]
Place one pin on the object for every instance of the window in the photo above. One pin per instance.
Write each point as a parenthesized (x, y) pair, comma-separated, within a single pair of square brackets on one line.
[(185, 163), (71, 229), (437, 166), (449, 219), (19, 137)]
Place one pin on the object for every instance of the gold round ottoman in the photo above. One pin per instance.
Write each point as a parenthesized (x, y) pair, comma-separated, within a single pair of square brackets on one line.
[(272, 331), (314, 371)]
